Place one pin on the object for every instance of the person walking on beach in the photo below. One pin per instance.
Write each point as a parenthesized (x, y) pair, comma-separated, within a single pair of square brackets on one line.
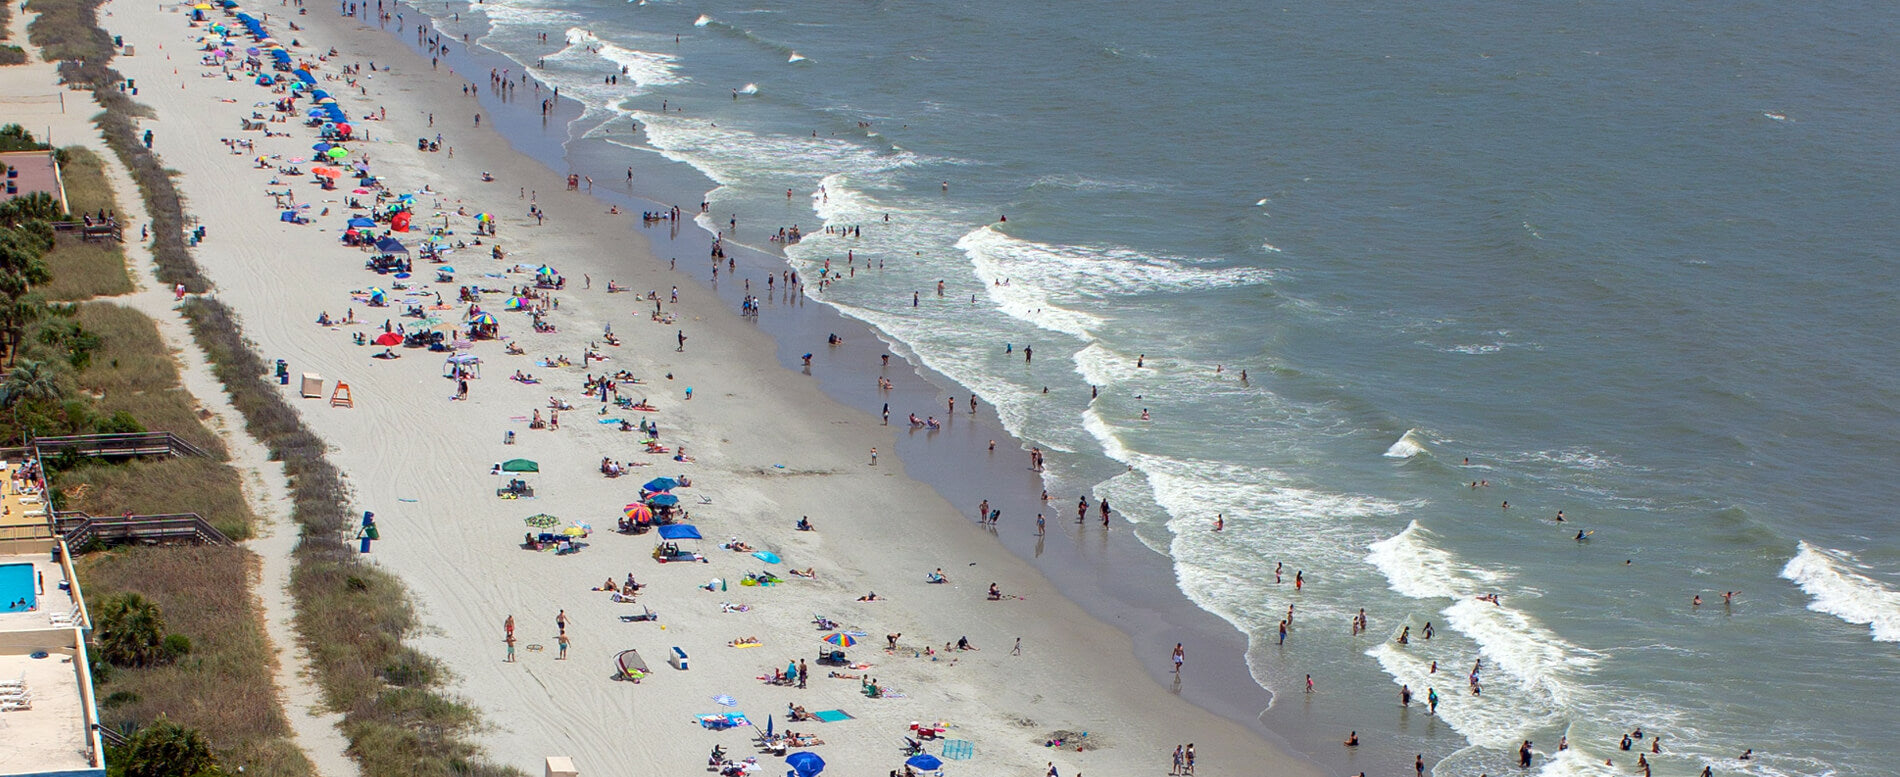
[(682, 346), (802, 673), (983, 510), (1039, 524), (508, 626), (873, 457), (1179, 761), (560, 621), (1187, 758), (562, 639), (1180, 655)]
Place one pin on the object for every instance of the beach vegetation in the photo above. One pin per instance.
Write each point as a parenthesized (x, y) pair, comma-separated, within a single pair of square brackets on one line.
[(14, 137), (220, 682), (129, 630), (164, 749)]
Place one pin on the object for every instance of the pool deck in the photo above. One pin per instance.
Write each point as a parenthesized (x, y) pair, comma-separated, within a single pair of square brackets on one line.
[(54, 735)]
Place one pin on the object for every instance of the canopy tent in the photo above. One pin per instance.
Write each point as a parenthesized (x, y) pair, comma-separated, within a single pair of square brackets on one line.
[(520, 465), (390, 245), (359, 221), (679, 531)]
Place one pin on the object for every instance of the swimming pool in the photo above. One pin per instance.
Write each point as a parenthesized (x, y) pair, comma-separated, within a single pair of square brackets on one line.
[(16, 587)]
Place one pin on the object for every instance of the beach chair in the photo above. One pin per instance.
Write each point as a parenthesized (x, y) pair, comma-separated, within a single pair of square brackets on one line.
[(912, 746), (24, 703), (19, 682), (66, 619)]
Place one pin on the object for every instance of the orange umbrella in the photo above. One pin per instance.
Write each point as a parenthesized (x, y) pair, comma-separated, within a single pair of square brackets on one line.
[(327, 172)]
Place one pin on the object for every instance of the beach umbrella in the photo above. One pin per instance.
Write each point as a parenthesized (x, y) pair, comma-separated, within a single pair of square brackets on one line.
[(725, 700), (657, 485), (513, 303), (327, 172), (359, 221), (520, 465), (638, 513), (445, 268), (574, 531), (768, 718), (663, 500), (925, 762), (253, 51), (543, 521), (338, 152), (377, 291), (805, 763), (320, 147), (840, 639), (388, 338), (201, 7), (483, 319)]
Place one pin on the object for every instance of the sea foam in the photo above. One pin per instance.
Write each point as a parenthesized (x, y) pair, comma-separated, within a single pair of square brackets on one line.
[(1840, 586)]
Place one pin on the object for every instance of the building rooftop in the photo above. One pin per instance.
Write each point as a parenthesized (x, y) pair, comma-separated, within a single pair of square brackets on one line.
[(43, 666), (29, 172)]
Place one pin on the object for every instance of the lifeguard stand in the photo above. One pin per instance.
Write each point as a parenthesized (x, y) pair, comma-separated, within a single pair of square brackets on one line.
[(340, 397)]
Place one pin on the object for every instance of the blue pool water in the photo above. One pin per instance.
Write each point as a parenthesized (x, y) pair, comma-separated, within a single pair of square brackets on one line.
[(16, 588)]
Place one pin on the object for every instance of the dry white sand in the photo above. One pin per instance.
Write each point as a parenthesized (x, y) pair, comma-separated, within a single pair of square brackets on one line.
[(769, 449)]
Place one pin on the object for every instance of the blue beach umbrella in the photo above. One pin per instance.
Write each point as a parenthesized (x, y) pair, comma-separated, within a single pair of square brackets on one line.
[(359, 221), (924, 761), (663, 500), (805, 763), (661, 484)]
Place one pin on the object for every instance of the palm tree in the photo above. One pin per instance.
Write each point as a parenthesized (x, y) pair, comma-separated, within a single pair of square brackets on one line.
[(166, 749), (30, 381), (130, 631)]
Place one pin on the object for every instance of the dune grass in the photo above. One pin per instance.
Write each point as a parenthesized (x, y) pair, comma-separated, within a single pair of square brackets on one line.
[(223, 686)]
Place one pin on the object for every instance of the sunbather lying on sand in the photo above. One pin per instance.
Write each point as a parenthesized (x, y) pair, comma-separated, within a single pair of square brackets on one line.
[(744, 641), (806, 573)]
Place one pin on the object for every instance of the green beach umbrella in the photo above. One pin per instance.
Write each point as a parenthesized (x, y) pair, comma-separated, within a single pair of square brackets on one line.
[(337, 152), (543, 521), (520, 465)]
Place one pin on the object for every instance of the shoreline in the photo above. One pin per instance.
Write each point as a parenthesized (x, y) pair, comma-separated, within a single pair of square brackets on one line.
[(384, 469), (1119, 581)]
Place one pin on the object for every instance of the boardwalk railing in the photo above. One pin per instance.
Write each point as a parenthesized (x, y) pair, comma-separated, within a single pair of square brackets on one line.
[(81, 529), (117, 445)]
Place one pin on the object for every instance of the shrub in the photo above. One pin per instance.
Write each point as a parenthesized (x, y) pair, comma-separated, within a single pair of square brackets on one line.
[(130, 631), (166, 749)]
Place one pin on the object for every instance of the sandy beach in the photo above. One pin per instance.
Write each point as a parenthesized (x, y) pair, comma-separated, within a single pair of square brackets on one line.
[(768, 447)]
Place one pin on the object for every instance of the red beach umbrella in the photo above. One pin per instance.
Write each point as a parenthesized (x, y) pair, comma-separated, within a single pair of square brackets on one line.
[(389, 338)]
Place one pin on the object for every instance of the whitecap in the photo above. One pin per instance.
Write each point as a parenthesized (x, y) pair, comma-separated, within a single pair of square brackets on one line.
[(1840, 586)]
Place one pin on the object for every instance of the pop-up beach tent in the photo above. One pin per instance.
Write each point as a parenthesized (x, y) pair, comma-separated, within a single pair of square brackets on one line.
[(679, 531)]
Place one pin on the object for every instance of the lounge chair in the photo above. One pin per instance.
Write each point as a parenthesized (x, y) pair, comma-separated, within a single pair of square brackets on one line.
[(24, 703), (67, 619), (17, 683)]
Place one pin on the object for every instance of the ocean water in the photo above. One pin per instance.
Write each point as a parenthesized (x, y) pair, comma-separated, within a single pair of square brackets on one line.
[(1631, 263)]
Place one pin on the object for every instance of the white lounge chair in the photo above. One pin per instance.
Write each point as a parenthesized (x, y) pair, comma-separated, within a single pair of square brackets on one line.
[(66, 619), (24, 703), (19, 682)]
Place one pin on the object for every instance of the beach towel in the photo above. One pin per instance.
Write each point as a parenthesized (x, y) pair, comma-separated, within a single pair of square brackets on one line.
[(831, 716), (609, 420)]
